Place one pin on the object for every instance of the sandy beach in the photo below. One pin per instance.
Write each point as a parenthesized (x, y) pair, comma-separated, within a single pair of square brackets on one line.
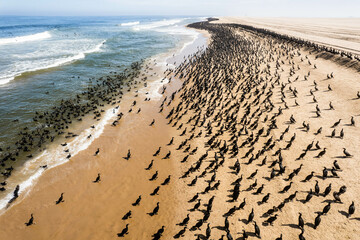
[(231, 111), (341, 33)]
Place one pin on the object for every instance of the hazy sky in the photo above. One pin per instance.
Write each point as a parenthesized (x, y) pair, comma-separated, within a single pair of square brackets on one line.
[(266, 8)]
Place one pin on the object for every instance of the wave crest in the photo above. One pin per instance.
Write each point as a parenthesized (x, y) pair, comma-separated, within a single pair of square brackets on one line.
[(158, 24), (27, 38), (129, 24), (46, 64)]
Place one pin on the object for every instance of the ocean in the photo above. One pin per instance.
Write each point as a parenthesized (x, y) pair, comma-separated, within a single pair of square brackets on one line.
[(44, 60)]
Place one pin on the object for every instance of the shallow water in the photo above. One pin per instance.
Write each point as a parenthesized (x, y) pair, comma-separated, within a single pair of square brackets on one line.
[(84, 49), (59, 57)]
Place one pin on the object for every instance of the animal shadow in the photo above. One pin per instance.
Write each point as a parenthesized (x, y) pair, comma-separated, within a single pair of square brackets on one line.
[(295, 226)]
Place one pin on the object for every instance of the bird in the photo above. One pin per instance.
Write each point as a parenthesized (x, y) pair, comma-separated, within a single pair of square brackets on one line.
[(300, 221), (259, 190), (155, 192), (97, 179), (97, 152), (251, 216), (279, 238), (128, 155), (325, 173), (198, 224), (154, 177), (150, 165), (308, 196), (137, 202), (228, 235), (301, 236), (326, 209), (352, 121), (226, 223), (242, 205), (286, 188), (346, 153), (245, 235), (253, 174), (61, 199), (257, 230), (180, 233), (157, 152), (124, 231), (333, 133), (341, 134), (292, 119), (152, 123), (317, 220), (185, 221), (158, 234), (171, 141), (317, 188), (322, 153), (208, 231), (318, 131), (127, 215), (167, 155), (166, 181), (155, 210), (270, 220), (265, 198), (196, 206), (31, 221), (308, 177), (336, 165), (351, 209), (336, 123), (327, 190), (337, 197)]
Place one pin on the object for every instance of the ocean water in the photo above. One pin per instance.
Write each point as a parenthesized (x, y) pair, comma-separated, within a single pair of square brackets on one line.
[(46, 59)]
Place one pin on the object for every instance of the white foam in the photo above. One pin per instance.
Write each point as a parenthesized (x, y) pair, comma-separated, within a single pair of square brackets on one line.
[(129, 24), (158, 24), (194, 36), (32, 66), (31, 170), (5, 79), (154, 89), (27, 38)]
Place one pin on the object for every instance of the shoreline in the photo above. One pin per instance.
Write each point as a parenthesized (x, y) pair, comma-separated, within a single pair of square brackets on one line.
[(228, 111), (50, 178), (49, 156)]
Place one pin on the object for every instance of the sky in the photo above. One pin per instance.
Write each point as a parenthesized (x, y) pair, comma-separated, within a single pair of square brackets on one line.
[(250, 8)]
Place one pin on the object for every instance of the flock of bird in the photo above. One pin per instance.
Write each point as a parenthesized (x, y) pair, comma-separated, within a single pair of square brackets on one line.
[(50, 125), (239, 125)]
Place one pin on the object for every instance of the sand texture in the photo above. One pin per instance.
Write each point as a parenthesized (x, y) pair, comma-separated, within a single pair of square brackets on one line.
[(341, 33), (250, 117)]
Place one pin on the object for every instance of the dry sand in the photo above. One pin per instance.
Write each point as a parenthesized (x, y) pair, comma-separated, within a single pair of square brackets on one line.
[(341, 33), (95, 210)]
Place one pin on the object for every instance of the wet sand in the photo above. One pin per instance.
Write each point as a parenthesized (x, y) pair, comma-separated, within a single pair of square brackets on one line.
[(122, 181), (95, 210)]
